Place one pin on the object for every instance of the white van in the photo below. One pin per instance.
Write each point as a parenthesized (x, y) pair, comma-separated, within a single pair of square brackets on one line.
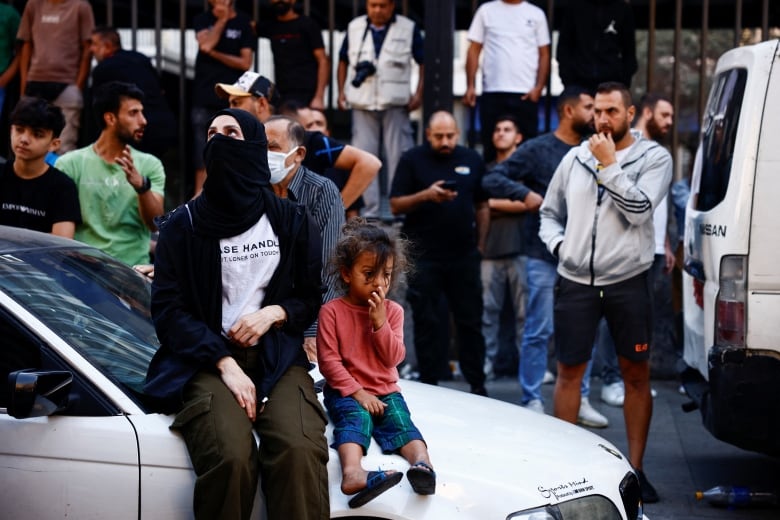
[(731, 288)]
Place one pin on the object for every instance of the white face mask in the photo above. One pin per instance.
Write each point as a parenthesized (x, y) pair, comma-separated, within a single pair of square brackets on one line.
[(276, 162)]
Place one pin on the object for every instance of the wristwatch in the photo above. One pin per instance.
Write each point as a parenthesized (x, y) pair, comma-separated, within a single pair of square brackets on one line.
[(146, 186)]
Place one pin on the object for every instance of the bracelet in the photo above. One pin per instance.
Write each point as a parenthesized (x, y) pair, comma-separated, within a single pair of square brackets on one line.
[(146, 186)]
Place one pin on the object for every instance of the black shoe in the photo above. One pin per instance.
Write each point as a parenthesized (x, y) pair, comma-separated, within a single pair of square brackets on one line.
[(649, 494), (479, 390)]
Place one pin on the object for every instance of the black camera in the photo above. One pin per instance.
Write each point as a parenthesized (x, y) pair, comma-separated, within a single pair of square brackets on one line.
[(363, 70)]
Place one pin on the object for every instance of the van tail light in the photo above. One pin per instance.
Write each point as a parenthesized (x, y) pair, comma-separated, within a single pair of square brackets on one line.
[(731, 301)]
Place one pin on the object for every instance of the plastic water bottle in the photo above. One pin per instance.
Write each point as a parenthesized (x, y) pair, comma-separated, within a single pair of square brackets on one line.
[(736, 496)]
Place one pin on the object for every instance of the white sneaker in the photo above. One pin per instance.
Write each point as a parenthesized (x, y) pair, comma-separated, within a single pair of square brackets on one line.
[(588, 416), (488, 369), (548, 378), (535, 405), (613, 394)]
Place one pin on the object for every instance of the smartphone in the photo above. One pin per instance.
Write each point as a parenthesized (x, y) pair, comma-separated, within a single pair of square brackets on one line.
[(449, 185)]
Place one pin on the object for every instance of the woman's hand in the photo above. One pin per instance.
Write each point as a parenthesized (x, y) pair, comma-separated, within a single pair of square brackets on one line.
[(248, 329)]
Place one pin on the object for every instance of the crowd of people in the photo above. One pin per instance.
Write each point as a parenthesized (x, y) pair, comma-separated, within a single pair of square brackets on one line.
[(282, 259)]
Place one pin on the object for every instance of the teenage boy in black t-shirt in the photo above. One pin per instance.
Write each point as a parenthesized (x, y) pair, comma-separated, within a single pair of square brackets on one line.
[(34, 195), (301, 66)]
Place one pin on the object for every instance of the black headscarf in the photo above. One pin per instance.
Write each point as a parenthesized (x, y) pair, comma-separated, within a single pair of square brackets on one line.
[(232, 197)]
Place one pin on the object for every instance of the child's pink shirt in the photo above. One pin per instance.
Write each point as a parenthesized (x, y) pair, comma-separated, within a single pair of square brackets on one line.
[(353, 356)]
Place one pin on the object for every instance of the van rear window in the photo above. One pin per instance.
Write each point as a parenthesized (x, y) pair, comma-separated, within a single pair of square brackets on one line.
[(721, 121)]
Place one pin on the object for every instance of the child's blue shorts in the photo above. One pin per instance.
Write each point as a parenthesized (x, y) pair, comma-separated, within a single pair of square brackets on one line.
[(352, 423)]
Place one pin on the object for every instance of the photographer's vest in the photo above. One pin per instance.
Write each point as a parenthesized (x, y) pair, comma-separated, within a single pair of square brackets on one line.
[(390, 85)]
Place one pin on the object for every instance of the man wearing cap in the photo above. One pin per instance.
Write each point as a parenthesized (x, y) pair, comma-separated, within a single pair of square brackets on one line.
[(257, 95)]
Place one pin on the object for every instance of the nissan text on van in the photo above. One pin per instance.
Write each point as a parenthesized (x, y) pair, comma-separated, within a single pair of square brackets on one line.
[(731, 285)]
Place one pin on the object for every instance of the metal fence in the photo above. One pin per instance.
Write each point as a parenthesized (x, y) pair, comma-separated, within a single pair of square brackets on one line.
[(676, 44)]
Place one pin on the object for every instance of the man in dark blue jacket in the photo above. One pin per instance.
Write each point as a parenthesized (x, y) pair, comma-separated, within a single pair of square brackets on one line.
[(237, 281)]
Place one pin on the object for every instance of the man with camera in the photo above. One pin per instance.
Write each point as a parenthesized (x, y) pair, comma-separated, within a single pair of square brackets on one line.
[(374, 80)]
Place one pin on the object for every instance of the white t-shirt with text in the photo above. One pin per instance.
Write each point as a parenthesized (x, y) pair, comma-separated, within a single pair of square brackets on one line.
[(249, 260)]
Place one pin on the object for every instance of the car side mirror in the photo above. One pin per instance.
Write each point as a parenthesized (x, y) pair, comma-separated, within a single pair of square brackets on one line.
[(38, 393)]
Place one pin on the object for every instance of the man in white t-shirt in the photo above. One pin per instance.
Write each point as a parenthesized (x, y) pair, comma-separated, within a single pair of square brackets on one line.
[(516, 40)]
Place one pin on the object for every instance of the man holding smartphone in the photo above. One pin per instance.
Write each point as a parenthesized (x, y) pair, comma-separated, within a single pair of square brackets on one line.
[(437, 186)]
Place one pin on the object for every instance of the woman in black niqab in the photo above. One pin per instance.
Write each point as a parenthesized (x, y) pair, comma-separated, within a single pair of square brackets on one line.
[(237, 173)]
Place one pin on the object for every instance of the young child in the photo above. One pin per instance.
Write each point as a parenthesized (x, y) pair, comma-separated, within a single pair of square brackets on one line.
[(359, 345)]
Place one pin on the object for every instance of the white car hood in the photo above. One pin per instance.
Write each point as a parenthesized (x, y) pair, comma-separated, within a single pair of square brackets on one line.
[(491, 459)]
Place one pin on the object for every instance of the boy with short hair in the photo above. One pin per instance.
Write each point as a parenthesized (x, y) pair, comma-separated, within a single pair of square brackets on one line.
[(34, 195)]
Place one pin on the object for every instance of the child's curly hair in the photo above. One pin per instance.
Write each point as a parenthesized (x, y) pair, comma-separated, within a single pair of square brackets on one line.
[(359, 236)]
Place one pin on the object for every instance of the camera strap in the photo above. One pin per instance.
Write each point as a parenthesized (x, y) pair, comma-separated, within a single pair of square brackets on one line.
[(365, 33), (363, 40)]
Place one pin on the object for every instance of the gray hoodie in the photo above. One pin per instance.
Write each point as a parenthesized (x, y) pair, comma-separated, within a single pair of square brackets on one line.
[(603, 220)]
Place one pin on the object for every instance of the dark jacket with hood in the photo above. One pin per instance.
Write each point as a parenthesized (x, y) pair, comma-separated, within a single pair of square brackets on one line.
[(187, 285), (597, 43)]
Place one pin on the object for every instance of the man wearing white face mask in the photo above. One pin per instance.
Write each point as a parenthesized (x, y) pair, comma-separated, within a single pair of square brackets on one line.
[(290, 179), (259, 96)]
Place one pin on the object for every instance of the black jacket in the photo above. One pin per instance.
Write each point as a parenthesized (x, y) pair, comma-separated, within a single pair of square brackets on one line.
[(187, 300), (597, 43)]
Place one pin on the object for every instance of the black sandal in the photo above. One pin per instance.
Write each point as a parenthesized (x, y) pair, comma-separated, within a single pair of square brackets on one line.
[(377, 483), (422, 478)]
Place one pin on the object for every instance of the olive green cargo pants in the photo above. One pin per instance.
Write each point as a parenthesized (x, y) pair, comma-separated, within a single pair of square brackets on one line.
[(292, 456)]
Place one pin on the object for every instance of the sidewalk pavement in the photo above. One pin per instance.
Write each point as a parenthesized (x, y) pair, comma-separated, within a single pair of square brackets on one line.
[(681, 458)]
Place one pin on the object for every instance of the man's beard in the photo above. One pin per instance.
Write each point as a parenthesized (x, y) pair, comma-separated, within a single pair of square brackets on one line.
[(583, 128), (655, 132), (281, 8), (617, 133), (127, 137)]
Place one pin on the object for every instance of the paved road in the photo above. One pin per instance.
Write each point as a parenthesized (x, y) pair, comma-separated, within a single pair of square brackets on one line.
[(681, 457)]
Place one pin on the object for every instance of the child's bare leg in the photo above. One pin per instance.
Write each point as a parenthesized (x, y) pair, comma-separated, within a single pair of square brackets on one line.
[(416, 451), (353, 476), (420, 475)]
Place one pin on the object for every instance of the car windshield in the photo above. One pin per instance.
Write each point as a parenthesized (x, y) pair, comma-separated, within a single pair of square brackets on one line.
[(95, 303)]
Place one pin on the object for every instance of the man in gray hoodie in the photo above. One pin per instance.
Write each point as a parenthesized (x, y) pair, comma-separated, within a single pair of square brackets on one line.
[(597, 220)]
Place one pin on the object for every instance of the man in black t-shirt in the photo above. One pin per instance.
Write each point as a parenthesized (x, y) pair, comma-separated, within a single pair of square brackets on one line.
[(226, 42), (437, 186), (301, 66), (34, 195)]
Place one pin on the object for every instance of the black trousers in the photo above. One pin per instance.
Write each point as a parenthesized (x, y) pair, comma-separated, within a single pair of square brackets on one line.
[(459, 280)]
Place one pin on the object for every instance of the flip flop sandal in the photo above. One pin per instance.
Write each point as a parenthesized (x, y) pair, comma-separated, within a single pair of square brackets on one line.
[(422, 478), (377, 483)]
